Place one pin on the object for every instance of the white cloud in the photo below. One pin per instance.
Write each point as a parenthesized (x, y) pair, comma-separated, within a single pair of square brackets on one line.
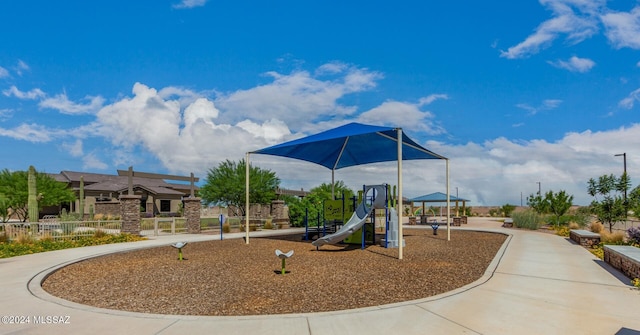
[(3, 72), (183, 140), (35, 93), (299, 98), (576, 19), (21, 67), (575, 64), (190, 4), (630, 100), (547, 104), (31, 133), (91, 162), (5, 113), (62, 104), (402, 114), (74, 149), (497, 171), (431, 98), (623, 28)]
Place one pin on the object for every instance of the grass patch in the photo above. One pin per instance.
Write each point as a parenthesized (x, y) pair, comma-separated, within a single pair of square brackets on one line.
[(527, 219)]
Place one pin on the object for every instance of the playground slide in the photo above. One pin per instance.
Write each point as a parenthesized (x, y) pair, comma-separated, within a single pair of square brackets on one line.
[(357, 219)]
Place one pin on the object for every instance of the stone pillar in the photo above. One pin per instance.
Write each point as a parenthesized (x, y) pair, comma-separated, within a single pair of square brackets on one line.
[(192, 214), (277, 209), (130, 214)]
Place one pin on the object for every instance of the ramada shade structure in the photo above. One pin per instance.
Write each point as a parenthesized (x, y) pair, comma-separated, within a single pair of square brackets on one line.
[(350, 145), (438, 197)]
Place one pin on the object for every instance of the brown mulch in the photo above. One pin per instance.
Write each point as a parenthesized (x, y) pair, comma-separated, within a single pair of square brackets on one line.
[(232, 278)]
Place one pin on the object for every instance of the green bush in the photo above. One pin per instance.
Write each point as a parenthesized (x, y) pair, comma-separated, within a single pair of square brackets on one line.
[(528, 219), (48, 244)]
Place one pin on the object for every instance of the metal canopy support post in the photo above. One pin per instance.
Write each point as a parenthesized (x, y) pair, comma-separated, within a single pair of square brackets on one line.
[(246, 197), (400, 235), (448, 204)]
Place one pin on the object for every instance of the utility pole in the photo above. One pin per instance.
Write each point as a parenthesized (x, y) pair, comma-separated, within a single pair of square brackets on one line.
[(624, 159), (539, 188)]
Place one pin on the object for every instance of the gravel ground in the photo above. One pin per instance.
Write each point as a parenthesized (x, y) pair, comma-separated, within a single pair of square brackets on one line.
[(231, 278)]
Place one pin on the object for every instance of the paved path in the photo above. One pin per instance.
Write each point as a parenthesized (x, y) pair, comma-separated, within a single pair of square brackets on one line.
[(538, 284)]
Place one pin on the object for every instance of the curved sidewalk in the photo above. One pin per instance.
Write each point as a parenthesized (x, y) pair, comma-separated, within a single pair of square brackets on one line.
[(538, 284)]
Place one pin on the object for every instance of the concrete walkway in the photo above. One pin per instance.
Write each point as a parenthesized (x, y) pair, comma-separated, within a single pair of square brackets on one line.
[(538, 284)]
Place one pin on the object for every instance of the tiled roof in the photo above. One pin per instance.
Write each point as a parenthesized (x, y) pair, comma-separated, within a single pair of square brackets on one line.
[(113, 183)]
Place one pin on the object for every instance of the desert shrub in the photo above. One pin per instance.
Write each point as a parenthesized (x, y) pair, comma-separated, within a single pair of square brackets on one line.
[(46, 237), (99, 233), (581, 216), (98, 217), (24, 239), (268, 225), (596, 227), (617, 237), (49, 244), (4, 238), (562, 231), (597, 250), (634, 235), (528, 219), (226, 228), (574, 225), (65, 216)]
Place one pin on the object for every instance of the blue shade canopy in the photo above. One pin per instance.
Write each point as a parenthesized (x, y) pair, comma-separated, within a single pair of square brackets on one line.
[(436, 197), (349, 145)]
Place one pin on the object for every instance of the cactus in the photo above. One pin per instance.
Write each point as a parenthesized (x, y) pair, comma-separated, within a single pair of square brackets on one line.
[(32, 204), (81, 206)]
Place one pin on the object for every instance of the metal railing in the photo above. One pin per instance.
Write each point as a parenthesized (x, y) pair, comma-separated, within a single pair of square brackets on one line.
[(57, 230), (159, 225)]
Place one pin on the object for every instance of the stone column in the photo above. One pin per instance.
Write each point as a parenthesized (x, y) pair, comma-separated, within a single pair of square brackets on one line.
[(277, 209), (130, 214), (192, 214)]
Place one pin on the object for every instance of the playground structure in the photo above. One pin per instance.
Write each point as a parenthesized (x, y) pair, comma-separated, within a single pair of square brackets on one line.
[(380, 198), (350, 145)]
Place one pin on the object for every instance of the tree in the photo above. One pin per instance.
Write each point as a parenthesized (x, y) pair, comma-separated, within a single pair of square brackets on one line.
[(552, 203), (226, 185), (609, 204), (314, 200), (4, 208), (633, 199), (507, 209), (14, 186), (537, 203), (558, 203)]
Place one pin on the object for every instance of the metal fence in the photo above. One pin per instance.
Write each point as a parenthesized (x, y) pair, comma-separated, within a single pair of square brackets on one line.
[(623, 226), (156, 226), (56, 230), (60, 230)]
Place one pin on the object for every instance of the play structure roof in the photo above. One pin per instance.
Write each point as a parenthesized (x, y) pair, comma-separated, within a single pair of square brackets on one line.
[(436, 197), (349, 145)]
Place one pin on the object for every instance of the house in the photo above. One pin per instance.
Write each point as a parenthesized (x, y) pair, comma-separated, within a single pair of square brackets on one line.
[(102, 192)]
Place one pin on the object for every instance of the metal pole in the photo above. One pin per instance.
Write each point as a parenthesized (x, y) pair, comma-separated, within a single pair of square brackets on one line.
[(448, 205), (624, 159), (246, 209), (400, 236)]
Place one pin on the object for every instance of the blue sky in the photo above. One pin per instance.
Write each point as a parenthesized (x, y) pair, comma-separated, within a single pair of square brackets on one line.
[(514, 93)]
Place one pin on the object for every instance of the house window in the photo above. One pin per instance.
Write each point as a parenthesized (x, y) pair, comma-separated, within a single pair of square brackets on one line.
[(165, 205)]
